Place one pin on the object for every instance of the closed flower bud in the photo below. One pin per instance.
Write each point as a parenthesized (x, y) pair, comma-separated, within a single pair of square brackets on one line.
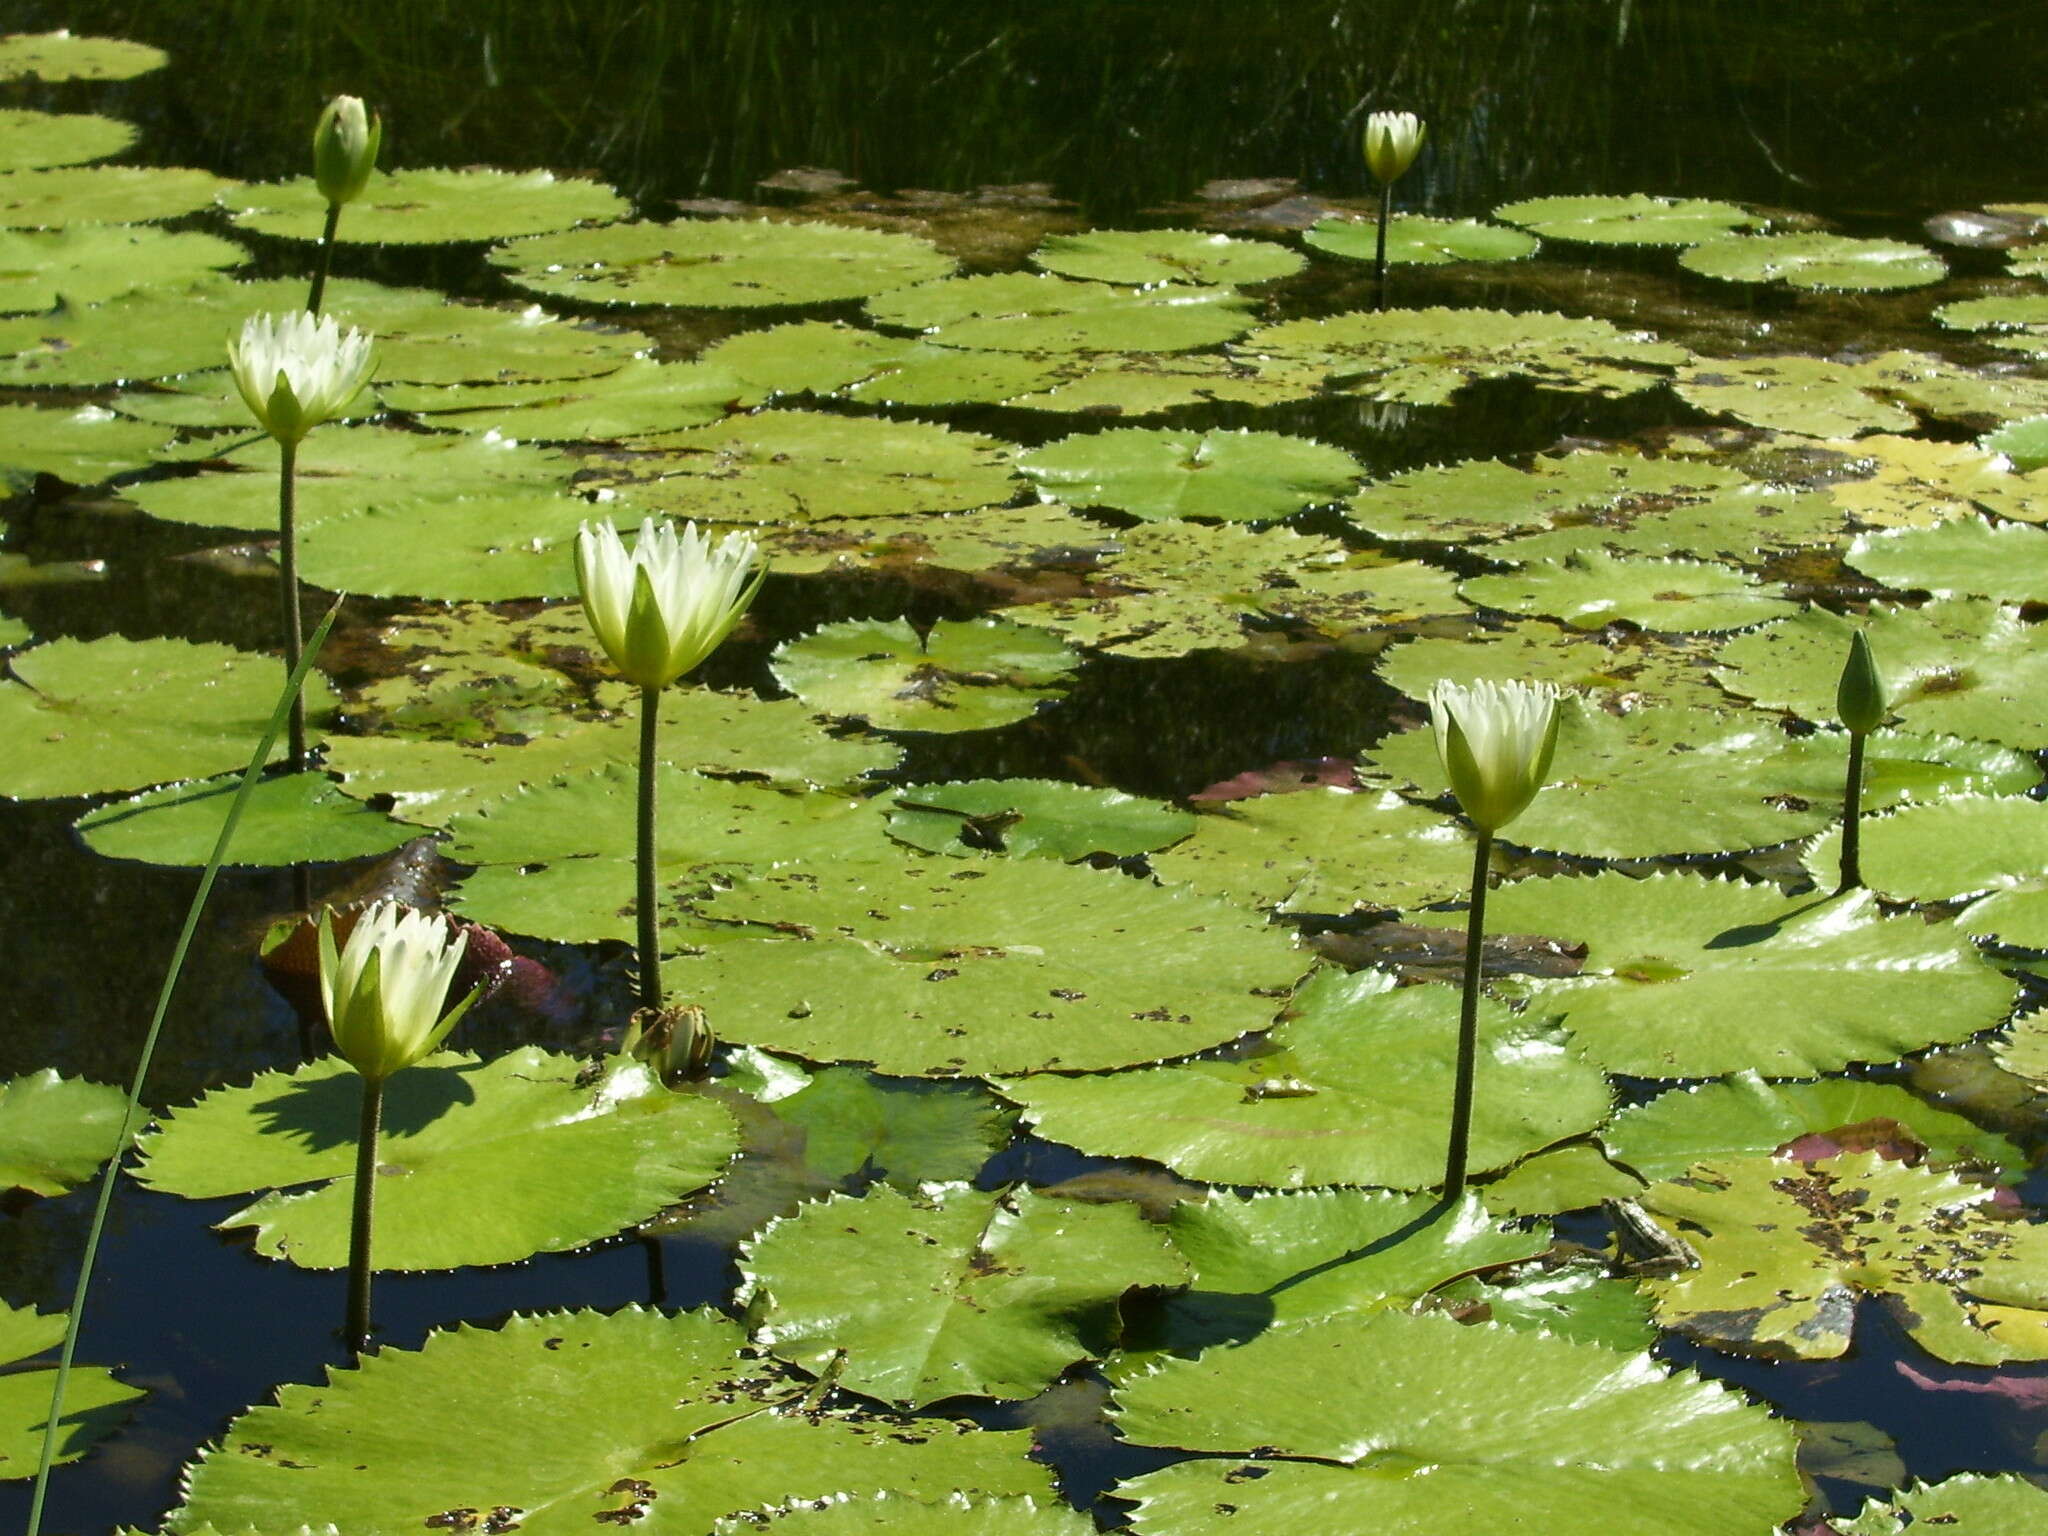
[(1496, 742), (345, 143), (386, 989), (665, 605), (1859, 696), (1391, 142), (295, 370)]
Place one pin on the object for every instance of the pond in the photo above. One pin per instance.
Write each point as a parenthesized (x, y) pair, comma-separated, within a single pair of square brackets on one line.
[(1059, 851)]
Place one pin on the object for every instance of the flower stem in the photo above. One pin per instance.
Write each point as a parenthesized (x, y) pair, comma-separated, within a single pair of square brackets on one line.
[(359, 1267), (1468, 1024), (650, 943), (1852, 809), (325, 260), (288, 560), (1380, 261)]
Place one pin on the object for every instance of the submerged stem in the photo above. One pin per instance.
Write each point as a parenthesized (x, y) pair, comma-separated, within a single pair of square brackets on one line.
[(359, 1237), (324, 260), (1852, 809), (1379, 300), (1468, 1025), (650, 944)]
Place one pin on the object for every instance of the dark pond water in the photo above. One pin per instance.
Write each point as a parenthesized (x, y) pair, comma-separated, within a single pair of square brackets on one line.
[(1874, 115)]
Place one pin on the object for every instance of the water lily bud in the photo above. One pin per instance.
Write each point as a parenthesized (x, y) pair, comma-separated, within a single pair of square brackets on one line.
[(386, 989), (345, 142), (1391, 142), (295, 371), (1859, 696), (675, 1042), (1496, 742), (664, 606)]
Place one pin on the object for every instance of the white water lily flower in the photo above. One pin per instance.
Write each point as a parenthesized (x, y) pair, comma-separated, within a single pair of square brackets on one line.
[(297, 370), (665, 605), (1495, 741), (385, 990), (1391, 142), (345, 142)]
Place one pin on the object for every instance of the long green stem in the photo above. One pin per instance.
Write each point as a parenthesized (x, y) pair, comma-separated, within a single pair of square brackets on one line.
[(1468, 1024), (650, 940), (288, 560), (361, 1228), (1380, 260), (1852, 816), (324, 261), (132, 1113)]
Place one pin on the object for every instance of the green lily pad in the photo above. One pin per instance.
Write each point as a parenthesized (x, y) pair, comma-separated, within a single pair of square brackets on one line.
[(1966, 555), (102, 194), (594, 1418), (908, 1131), (1354, 1089), (1235, 476), (1633, 219), (1481, 499), (1914, 482), (1954, 848), (580, 827), (40, 269), (1743, 525), (930, 375), (1815, 261), (33, 140), (480, 1162), (346, 473), (1418, 241), (1274, 1260), (481, 548), (959, 1515), (1666, 779), (801, 466), (1572, 1177), (301, 818), (1146, 384), (1026, 538), (2008, 312), (437, 769), (1963, 666), (52, 56), (1786, 1249), (1323, 850), (1577, 1301), (1418, 1426), (640, 397), (1692, 977), (82, 717), (808, 357), (1593, 588), (968, 675), (950, 1292), (1023, 312), (84, 446), (1745, 1116), (1032, 818), (427, 207), (2024, 443), (94, 1402), (1142, 256), (1792, 394), (56, 1131), (1424, 356), (947, 966), (720, 263), (1968, 1504), (13, 633), (1622, 670)]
